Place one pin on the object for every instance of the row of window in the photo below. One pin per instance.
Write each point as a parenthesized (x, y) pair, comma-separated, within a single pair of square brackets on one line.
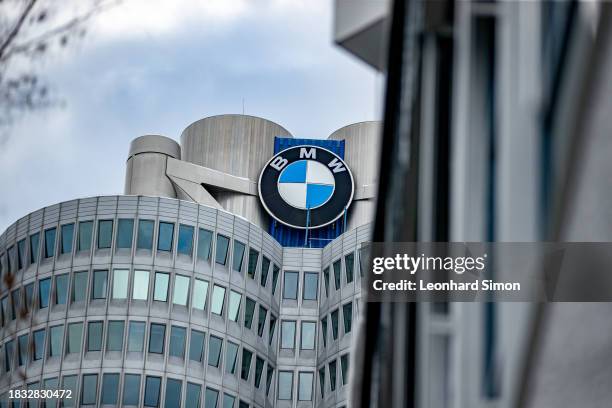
[(347, 317), (332, 374), (349, 272)]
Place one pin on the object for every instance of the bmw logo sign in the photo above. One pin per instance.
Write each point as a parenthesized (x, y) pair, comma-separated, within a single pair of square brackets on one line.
[(306, 184)]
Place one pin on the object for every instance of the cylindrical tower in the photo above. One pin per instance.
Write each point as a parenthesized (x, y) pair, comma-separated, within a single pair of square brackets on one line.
[(146, 166), (238, 145)]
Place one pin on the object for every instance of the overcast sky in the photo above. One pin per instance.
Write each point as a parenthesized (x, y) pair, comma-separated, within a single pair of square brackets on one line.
[(155, 66)]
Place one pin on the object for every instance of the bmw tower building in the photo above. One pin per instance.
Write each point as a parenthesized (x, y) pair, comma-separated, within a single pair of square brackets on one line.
[(227, 275)]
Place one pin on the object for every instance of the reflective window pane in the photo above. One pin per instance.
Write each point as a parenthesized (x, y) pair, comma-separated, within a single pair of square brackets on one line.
[(75, 338), (157, 338), (322, 381), (185, 240), (44, 289), (238, 256), (166, 236), (349, 266), (131, 382), (249, 312), (120, 283), (136, 336), (192, 395), (337, 269), (344, 368), (50, 243), (211, 397), (347, 314), (332, 375), (151, 396), (214, 351), (173, 393), (275, 274), (181, 290), (85, 234), (114, 338), (231, 357), (200, 293), (285, 385), (29, 296), (259, 366), (110, 389), (307, 336), (324, 330), (311, 285), (39, 344), (247, 356), (21, 254), (141, 285), (287, 334), (22, 346), (204, 244), (8, 355), (61, 289), (98, 290), (94, 336), (79, 286), (334, 321), (261, 320), (305, 386), (50, 384), (271, 328), (221, 253), (291, 285), (125, 232), (218, 297), (228, 401), (56, 338), (67, 233), (89, 389), (144, 240), (326, 280), (34, 244), (196, 345), (69, 382), (265, 267), (234, 306), (252, 267), (269, 375), (161, 287), (105, 234), (177, 341)]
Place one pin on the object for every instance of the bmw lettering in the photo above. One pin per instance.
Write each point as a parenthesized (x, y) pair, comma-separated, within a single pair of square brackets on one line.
[(306, 187)]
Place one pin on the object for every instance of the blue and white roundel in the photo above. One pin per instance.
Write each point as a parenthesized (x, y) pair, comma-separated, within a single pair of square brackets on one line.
[(306, 184)]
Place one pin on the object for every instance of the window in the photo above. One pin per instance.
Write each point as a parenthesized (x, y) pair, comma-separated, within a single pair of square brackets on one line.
[(287, 334), (145, 237), (50, 384), (11, 261), (105, 234), (243, 404), (61, 289), (269, 375), (114, 337), (89, 389), (67, 233), (218, 297), (204, 244), (200, 292), (253, 257), (326, 281), (247, 356), (161, 287), (185, 240), (136, 335), (347, 314), (44, 288), (231, 357), (222, 245), (74, 338), (5, 311), (177, 341), (234, 306), (334, 321), (22, 348), (211, 397), (131, 383), (79, 286), (21, 254), (349, 266), (271, 329), (261, 321), (305, 386), (125, 232), (34, 241), (291, 285), (29, 296), (238, 256), (228, 401), (322, 380), (275, 273), (285, 385), (259, 366), (69, 382), (196, 345), (166, 236), (249, 312), (98, 291), (337, 267), (141, 285), (173, 393), (15, 303), (110, 389), (332, 375), (8, 356), (192, 395), (307, 336), (311, 285), (94, 336), (50, 243), (324, 330), (157, 338), (56, 337), (265, 267), (344, 368), (84, 237), (214, 350), (151, 396), (181, 290), (39, 344), (120, 283)]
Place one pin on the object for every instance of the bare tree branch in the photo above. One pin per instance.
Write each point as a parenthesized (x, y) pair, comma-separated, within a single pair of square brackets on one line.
[(12, 35)]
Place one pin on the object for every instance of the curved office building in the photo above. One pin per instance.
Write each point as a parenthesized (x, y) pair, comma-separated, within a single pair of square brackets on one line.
[(184, 291)]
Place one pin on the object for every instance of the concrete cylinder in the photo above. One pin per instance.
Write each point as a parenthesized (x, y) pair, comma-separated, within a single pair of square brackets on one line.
[(146, 166)]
